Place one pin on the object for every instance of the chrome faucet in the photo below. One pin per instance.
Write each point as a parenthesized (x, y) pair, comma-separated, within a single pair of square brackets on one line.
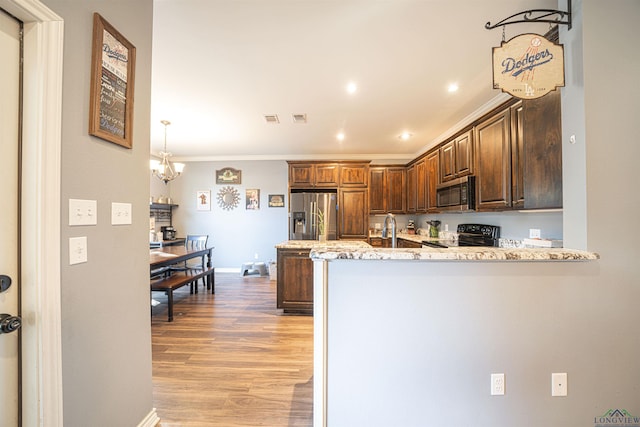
[(391, 217)]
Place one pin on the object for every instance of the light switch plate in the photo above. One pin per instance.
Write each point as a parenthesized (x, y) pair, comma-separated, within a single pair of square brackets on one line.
[(559, 384), (83, 212), (77, 250), (120, 213)]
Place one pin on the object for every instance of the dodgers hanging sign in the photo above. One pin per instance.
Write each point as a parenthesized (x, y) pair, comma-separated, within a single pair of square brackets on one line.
[(528, 66)]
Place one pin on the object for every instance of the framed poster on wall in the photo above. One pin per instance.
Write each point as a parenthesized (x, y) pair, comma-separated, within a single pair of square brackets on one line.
[(112, 80)]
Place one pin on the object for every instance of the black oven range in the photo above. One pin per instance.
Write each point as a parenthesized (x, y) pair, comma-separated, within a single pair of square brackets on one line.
[(470, 235)]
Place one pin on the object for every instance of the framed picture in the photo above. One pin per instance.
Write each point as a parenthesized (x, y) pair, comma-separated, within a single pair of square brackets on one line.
[(113, 61), (276, 200), (203, 200), (228, 176), (253, 199)]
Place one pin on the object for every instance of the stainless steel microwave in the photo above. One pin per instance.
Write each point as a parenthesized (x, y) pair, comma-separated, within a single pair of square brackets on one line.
[(457, 195)]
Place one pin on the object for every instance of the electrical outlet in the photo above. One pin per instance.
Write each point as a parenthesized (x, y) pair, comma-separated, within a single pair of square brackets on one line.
[(497, 384), (534, 233), (559, 384)]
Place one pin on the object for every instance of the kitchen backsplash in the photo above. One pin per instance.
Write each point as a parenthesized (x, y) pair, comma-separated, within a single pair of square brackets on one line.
[(514, 225)]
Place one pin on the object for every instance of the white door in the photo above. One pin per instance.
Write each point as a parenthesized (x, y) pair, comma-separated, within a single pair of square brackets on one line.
[(10, 52)]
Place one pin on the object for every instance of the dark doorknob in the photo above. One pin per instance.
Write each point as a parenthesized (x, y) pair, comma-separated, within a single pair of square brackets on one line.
[(5, 282), (9, 323)]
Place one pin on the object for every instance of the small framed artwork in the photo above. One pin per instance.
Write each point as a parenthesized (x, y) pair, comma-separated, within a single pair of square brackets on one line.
[(253, 199), (228, 176), (203, 200), (276, 200), (113, 60)]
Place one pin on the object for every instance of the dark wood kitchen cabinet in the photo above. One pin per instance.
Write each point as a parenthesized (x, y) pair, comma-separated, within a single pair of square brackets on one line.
[(542, 133), (456, 157), (517, 155), (387, 189), (493, 162), (353, 213), (411, 189), (421, 186), (354, 174), (405, 243), (294, 286), (433, 179), (310, 175)]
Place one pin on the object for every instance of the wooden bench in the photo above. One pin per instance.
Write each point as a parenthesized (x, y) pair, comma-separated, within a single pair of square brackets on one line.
[(179, 279)]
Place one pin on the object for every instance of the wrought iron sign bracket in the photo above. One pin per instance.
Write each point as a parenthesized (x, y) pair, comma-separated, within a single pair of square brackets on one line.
[(536, 15)]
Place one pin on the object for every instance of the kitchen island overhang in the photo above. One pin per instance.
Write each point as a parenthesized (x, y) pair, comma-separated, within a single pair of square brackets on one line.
[(404, 334)]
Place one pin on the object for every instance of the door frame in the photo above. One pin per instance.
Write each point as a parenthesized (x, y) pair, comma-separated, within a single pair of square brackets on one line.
[(40, 212)]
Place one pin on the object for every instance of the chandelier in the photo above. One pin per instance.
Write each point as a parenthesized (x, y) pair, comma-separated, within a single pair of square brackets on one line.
[(163, 169)]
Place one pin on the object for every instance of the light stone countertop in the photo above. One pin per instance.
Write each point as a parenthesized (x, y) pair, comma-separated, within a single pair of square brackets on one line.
[(327, 244), (453, 254)]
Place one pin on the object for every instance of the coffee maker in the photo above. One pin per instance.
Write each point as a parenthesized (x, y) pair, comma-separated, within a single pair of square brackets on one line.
[(168, 232)]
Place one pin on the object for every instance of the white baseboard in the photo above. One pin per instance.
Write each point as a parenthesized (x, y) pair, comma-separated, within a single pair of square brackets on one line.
[(227, 270), (151, 420)]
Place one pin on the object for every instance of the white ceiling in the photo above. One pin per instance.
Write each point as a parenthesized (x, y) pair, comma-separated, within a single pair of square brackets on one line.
[(220, 65)]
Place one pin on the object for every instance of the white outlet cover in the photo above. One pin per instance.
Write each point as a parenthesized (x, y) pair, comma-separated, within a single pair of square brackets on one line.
[(120, 213), (497, 384), (559, 384)]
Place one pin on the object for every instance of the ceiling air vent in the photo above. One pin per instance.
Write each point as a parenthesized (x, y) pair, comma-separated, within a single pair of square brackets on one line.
[(299, 118), (271, 118)]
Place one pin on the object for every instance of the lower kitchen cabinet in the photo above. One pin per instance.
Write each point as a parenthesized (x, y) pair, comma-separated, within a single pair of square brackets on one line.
[(295, 280), (404, 243)]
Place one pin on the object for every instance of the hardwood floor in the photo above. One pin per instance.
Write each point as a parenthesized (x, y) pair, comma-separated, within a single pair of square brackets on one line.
[(230, 360)]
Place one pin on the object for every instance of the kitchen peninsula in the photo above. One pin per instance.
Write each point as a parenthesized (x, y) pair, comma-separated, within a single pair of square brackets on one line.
[(403, 334), (295, 272)]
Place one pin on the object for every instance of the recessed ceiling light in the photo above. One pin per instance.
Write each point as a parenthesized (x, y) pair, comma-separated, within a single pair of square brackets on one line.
[(405, 136), (453, 87), (352, 88), (340, 136)]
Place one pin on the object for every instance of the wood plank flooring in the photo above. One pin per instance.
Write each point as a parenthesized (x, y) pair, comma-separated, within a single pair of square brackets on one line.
[(230, 359)]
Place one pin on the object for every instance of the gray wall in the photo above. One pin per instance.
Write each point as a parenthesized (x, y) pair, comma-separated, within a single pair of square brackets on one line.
[(106, 336), (530, 320), (238, 234)]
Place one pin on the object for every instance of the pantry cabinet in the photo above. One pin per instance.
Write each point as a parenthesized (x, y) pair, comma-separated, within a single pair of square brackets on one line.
[(353, 213)]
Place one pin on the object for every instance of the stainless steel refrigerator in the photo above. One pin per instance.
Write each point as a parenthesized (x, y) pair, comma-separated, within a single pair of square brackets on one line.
[(310, 213)]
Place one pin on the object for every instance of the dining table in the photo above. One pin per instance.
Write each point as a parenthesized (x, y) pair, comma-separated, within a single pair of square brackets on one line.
[(167, 256)]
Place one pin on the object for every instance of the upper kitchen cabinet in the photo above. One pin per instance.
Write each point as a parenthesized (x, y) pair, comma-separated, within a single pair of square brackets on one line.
[(543, 152), (432, 162), (456, 157), (309, 175), (411, 189), (493, 162), (387, 189), (421, 186), (517, 155), (354, 174)]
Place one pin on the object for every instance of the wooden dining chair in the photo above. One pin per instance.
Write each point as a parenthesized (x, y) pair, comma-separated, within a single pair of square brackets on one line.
[(196, 242)]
